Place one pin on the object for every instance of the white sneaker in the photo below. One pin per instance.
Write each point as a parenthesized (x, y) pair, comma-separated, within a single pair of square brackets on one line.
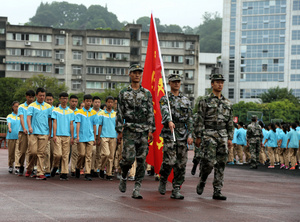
[(131, 178), (238, 163)]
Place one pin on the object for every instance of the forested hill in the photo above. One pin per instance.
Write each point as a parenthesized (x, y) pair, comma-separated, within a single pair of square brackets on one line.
[(74, 16)]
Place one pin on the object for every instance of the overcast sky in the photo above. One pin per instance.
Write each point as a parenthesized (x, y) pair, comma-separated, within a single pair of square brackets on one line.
[(180, 12)]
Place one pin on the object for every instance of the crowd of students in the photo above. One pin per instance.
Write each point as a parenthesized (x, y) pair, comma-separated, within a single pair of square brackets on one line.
[(280, 145), (53, 138)]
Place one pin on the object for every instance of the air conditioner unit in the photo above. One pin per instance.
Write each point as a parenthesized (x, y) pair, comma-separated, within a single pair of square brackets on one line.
[(61, 60), (62, 32), (108, 77), (79, 77), (27, 43)]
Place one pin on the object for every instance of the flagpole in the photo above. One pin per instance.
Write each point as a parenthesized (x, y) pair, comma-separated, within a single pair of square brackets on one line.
[(163, 73)]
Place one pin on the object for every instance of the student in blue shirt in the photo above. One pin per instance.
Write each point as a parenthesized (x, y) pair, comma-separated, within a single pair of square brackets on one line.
[(63, 134), (240, 142), (74, 152), (271, 141), (293, 145), (23, 132), (282, 142), (107, 132), (232, 149), (48, 159), (13, 122), (262, 154), (86, 119), (39, 127), (96, 148)]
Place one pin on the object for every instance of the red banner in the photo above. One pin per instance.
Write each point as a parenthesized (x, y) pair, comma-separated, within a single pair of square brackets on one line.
[(152, 80)]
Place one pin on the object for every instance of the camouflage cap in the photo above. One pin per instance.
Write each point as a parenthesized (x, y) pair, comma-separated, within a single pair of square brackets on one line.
[(217, 77), (174, 77), (254, 117), (135, 67)]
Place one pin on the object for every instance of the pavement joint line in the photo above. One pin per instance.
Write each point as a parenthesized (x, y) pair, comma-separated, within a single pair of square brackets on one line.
[(26, 206), (116, 202)]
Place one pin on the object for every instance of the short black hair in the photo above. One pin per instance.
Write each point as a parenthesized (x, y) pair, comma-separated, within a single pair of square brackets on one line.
[(87, 96), (241, 124), (13, 103), (294, 125), (73, 97), (30, 93), (49, 94), (40, 90), (96, 97), (102, 106), (115, 98), (109, 97), (63, 94)]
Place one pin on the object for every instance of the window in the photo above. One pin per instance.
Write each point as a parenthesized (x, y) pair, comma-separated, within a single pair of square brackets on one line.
[(95, 85), (77, 55), (59, 40), (231, 66), (189, 60), (189, 74), (189, 89), (77, 40), (2, 30), (76, 70), (59, 69), (14, 52), (59, 54), (107, 41), (76, 85), (264, 67), (296, 35), (95, 70), (251, 93), (172, 44), (174, 59), (134, 51), (296, 5), (189, 45), (231, 78), (13, 67), (230, 93), (295, 64)]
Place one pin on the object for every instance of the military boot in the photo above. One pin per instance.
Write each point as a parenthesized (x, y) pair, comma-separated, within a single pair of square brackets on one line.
[(136, 191), (218, 195), (162, 186), (200, 188), (193, 171), (176, 194), (122, 185)]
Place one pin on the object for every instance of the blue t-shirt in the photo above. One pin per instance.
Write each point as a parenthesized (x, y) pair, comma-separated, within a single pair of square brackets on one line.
[(241, 137), (282, 136), (234, 135), (74, 124), (87, 119), (39, 112), (298, 128), (22, 110), (63, 117), (265, 134), (14, 121), (294, 138), (108, 123), (272, 139)]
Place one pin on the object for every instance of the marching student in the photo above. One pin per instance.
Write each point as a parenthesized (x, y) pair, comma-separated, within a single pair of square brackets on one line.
[(107, 138), (240, 142), (23, 132), (74, 152), (271, 140), (283, 152), (63, 134), (39, 127), (13, 123), (293, 144), (86, 119)]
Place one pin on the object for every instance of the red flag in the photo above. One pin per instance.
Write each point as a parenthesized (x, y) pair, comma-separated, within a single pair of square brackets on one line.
[(152, 80)]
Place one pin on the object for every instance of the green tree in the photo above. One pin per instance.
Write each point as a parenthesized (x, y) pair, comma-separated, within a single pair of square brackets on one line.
[(8, 87), (173, 29), (278, 94), (210, 33), (50, 84)]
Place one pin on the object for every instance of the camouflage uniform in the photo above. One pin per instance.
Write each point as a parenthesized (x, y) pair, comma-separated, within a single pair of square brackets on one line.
[(254, 138), (136, 118), (175, 153), (215, 128)]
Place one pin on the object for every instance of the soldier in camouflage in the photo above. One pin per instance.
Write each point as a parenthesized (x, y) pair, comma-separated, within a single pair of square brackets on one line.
[(254, 141), (214, 129), (175, 153), (135, 124)]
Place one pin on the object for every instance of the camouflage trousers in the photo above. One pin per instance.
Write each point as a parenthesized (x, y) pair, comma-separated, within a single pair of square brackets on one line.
[(174, 157), (197, 155), (135, 146), (254, 152), (215, 155)]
